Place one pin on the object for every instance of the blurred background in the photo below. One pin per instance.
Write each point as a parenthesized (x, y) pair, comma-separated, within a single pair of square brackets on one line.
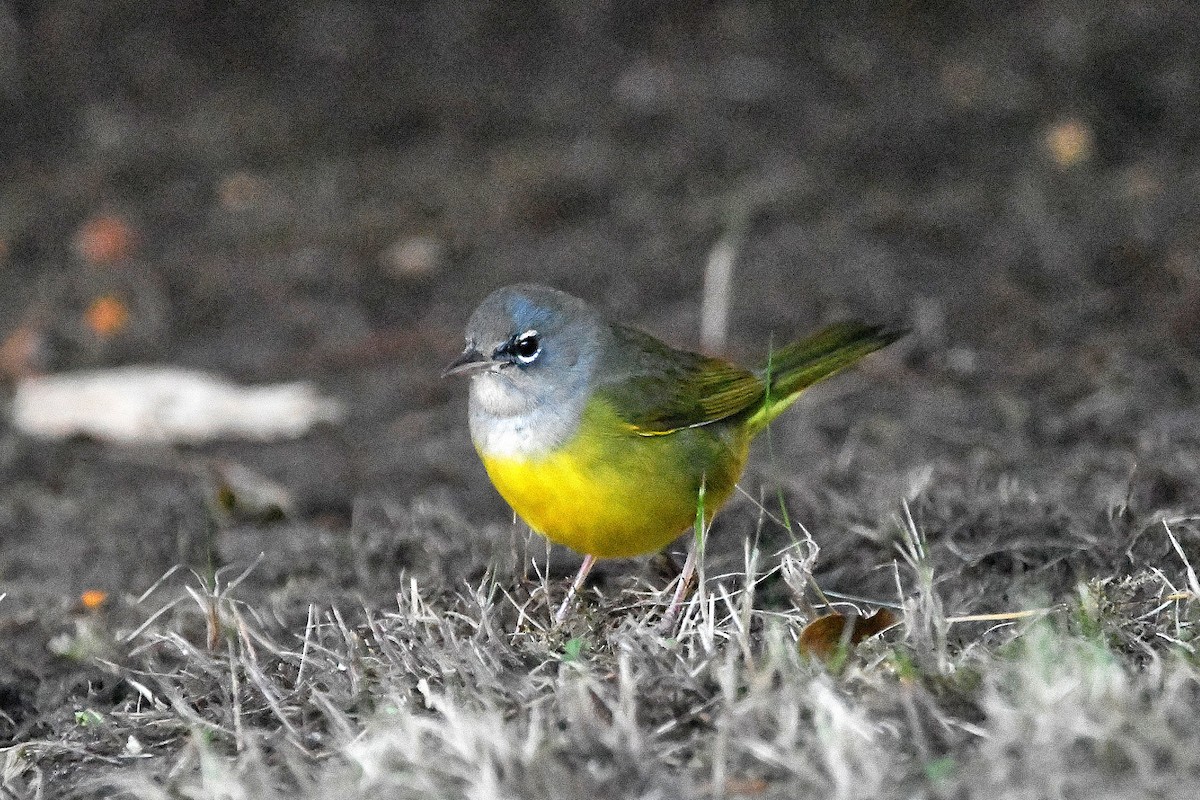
[(323, 191)]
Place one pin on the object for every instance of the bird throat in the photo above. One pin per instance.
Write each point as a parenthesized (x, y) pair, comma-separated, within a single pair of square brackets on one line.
[(511, 421)]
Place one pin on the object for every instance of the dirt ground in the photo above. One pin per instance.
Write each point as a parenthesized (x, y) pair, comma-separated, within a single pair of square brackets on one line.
[(323, 191)]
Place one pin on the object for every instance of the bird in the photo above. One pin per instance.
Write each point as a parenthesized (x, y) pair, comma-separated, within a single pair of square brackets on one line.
[(609, 441)]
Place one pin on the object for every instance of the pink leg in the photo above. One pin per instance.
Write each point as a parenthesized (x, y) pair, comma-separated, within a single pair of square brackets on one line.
[(576, 585), (685, 577)]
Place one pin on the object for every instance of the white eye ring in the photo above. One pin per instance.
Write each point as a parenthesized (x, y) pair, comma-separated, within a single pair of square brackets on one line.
[(523, 340)]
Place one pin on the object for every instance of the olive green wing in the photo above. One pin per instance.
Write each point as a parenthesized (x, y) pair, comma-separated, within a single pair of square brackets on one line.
[(794, 367), (658, 390)]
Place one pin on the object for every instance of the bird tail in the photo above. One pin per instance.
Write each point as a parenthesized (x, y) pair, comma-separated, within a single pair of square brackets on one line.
[(792, 369)]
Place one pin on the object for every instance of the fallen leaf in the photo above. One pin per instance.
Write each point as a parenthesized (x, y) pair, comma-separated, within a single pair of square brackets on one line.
[(240, 493), (21, 352), (414, 257), (240, 191), (824, 636), (1069, 142), (105, 239), (144, 403), (106, 316)]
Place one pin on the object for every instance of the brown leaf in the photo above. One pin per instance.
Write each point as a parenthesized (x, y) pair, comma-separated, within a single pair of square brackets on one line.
[(822, 637), (105, 239), (1069, 142), (93, 599), (106, 316), (21, 352)]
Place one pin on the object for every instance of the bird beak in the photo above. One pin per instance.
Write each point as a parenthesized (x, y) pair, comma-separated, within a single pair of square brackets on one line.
[(471, 360)]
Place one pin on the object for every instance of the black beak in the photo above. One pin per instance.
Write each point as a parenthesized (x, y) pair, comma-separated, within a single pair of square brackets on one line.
[(471, 360)]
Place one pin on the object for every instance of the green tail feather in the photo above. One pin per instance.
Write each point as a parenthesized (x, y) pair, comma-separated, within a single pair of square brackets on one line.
[(792, 369)]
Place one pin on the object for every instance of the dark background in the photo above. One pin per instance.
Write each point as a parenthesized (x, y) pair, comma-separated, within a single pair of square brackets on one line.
[(324, 191)]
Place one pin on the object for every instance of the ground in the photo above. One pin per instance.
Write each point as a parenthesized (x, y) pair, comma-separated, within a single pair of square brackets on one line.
[(323, 191)]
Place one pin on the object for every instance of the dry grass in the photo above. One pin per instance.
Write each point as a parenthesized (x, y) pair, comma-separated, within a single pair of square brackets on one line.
[(1015, 182), (471, 693)]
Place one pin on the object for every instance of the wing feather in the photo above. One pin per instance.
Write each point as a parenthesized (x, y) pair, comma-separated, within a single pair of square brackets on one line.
[(658, 390)]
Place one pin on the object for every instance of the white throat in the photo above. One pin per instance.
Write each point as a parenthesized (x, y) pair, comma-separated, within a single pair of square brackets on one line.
[(507, 422)]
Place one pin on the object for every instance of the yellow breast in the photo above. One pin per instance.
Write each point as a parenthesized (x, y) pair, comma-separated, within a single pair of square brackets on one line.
[(611, 493)]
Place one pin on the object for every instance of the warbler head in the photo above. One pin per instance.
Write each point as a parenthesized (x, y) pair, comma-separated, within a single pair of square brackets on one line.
[(529, 347)]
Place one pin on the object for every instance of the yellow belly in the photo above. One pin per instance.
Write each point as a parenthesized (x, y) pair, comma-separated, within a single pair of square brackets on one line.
[(611, 493)]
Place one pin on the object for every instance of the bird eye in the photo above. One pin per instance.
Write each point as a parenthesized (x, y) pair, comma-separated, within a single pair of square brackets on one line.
[(526, 346)]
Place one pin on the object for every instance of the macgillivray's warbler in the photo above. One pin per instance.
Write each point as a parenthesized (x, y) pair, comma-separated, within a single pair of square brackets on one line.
[(603, 438)]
